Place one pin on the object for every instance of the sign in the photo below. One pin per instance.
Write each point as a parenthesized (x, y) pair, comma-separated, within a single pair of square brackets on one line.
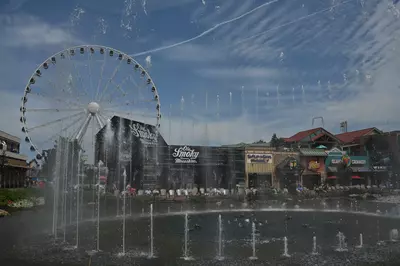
[(185, 155), (143, 133), (380, 168), (292, 163), (259, 158), (358, 162), (313, 165), (346, 160)]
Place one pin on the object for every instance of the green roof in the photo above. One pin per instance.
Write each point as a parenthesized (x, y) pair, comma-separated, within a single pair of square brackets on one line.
[(312, 152)]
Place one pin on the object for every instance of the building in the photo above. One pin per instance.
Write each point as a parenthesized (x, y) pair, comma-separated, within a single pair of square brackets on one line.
[(313, 162), (137, 151), (13, 165), (259, 165), (313, 138), (351, 141), (33, 169)]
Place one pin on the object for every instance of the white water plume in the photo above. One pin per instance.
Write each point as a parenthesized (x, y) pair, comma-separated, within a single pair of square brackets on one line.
[(205, 32), (148, 61), (144, 2)]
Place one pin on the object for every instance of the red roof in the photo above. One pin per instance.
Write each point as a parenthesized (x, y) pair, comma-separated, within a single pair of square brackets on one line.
[(302, 134), (352, 136)]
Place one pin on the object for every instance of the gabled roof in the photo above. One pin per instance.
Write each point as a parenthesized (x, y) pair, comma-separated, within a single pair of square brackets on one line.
[(306, 133), (301, 135), (353, 136)]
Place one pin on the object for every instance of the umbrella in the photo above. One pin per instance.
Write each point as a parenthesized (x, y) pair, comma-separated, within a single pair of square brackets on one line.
[(321, 147)]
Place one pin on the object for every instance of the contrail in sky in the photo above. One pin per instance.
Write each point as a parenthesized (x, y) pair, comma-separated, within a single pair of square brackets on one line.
[(205, 32)]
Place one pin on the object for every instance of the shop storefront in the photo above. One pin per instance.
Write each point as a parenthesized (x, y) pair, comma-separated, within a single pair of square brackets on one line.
[(259, 167), (345, 170), (289, 172), (313, 161)]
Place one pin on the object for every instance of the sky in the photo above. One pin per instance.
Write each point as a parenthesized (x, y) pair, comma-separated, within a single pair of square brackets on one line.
[(227, 71)]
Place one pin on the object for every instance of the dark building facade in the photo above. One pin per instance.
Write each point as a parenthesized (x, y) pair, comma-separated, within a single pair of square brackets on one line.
[(139, 151)]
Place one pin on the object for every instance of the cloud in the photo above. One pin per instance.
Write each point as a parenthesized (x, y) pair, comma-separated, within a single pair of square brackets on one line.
[(26, 31), (194, 53), (238, 73)]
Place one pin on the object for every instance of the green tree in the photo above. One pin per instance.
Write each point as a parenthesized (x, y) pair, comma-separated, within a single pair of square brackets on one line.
[(274, 141)]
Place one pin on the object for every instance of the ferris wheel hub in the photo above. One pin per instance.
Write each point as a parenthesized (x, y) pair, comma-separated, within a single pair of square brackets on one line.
[(93, 108)]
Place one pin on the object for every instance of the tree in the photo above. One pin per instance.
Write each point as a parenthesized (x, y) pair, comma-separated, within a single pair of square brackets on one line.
[(259, 142), (274, 141)]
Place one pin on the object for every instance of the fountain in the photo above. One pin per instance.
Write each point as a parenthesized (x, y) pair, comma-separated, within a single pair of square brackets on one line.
[(285, 247), (56, 177), (65, 191), (78, 185), (98, 210), (220, 244), (342, 242), (151, 254), (124, 215), (361, 241), (253, 241), (186, 255), (314, 248), (394, 235)]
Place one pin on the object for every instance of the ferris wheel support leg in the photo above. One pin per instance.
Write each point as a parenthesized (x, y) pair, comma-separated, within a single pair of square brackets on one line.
[(101, 125), (83, 129)]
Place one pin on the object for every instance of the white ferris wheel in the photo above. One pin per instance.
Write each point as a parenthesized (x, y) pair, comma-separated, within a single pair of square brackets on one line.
[(78, 90)]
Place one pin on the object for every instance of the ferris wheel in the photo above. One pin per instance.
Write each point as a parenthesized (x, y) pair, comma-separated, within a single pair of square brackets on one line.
[(81, 88)]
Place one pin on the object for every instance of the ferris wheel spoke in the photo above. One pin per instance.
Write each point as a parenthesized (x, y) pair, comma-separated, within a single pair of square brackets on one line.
[(110, 79), (77, 73), (63, 129), (130, 114), (59, 100), (99, 122), (70, 83), (53, 110), (83, 128), (101, 76), (104, 118), (54, 121), (90, 70), (56, 87), (140, 87), (119, 88)]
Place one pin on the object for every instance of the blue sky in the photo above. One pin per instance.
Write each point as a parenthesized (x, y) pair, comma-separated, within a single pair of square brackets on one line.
[(284, 62)]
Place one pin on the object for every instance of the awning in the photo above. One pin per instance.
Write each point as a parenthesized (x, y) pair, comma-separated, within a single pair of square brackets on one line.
[(18, 166), (332, 169), (313, 152), (357, 177)]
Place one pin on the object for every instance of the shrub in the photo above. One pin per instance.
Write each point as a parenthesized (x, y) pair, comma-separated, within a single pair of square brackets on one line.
[(18, 194)]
